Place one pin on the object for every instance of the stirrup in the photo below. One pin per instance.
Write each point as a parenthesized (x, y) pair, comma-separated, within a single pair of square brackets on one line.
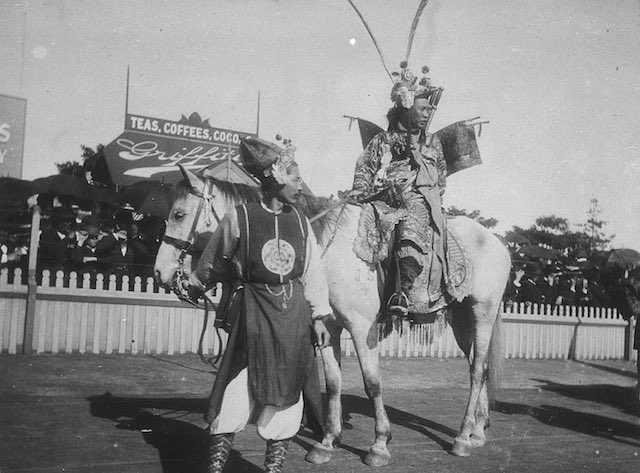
[(398, 304)]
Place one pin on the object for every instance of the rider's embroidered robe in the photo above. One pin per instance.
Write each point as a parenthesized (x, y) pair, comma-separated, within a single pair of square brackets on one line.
[(418, 171), (275, 263)]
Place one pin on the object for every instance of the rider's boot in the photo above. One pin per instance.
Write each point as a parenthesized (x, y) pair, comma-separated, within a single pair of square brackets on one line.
[(409, 269), (275, 455), (218, 448)]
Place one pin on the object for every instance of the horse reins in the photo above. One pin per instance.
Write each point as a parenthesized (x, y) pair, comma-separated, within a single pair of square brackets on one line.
[(187, 247)]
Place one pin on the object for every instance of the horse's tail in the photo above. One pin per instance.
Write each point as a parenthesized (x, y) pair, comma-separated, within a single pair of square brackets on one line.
[(495, 358)]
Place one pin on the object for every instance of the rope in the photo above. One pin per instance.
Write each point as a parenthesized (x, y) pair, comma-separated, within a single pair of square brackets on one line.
[(327, 210), (335, 230)]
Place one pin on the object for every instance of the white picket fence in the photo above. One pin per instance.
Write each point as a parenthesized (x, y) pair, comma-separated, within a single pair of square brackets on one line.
[(145, 320)]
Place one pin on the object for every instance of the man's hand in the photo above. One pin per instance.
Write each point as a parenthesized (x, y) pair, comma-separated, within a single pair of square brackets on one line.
[(81, 237), (321, 333), (192, 288)]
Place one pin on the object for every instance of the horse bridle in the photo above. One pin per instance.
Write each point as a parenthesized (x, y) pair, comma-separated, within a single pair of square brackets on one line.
[(187, 247)]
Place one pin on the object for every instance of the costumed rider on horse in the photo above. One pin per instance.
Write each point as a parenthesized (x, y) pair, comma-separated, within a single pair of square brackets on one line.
[(402, 173), (279, 296)]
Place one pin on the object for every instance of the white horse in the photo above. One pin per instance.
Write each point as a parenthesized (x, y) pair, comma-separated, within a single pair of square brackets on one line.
[(353, 293)]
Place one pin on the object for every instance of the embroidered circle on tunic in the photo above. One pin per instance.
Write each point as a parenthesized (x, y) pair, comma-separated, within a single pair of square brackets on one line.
[(278, 262)]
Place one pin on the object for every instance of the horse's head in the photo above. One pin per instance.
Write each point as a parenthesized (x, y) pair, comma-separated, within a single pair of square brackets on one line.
[(197, 209)]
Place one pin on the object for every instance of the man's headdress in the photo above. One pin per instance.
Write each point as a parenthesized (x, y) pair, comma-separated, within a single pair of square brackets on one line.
[(264, 159)]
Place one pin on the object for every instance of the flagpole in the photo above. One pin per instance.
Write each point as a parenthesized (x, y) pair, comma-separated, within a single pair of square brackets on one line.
[(126, 101), (258, 117), (24, 40)]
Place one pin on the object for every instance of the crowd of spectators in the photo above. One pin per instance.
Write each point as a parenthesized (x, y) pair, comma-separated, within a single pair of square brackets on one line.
[(532, 283), (125, 244), (121, 244)]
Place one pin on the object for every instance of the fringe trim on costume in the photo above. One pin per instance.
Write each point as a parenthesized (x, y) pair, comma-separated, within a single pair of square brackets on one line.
[(437, 327)]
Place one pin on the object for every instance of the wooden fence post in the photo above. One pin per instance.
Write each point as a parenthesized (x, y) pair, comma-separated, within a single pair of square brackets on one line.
[(32, 287), (628, 353)]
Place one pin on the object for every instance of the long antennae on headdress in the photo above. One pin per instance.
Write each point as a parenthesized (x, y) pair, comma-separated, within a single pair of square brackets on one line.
[(375, 43), (414, 26)]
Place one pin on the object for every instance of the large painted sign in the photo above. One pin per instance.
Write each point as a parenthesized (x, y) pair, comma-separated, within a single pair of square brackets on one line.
[(13, 112), (152, 148)]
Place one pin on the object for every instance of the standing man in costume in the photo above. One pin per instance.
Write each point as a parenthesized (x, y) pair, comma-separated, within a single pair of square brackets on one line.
[(405, 167), (279, 297)]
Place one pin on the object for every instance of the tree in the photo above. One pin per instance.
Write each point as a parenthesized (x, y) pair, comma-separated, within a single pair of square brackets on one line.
[(72, 168), (554, 232), (552, 224), (75, 168), (473, 215), (594, 229), (95, 166), (88, 153)]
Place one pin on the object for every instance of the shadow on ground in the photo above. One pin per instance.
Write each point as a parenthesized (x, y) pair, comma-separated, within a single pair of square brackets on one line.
[(618, 397), (581, 422), (351, 405), (609, 369), (181, 445)]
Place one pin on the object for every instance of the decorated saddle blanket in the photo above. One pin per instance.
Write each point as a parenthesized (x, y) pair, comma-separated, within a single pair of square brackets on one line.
[(374, 244)]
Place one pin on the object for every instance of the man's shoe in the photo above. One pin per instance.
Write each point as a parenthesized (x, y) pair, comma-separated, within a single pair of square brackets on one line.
[(398, 304), (275, 455), (218, 448)]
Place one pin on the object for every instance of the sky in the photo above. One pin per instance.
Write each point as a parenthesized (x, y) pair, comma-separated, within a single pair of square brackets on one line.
[(559, 82)]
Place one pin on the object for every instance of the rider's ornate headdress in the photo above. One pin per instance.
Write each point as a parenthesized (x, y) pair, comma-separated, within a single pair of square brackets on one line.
[(407, 87), (264, 159)]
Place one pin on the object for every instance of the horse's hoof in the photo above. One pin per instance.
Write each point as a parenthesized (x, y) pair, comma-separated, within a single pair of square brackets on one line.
[(319, 455), (461, 449), (377, 458), (477, 441)]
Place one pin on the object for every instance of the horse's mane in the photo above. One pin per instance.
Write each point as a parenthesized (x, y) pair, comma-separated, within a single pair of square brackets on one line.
[(237, 193), (326, 225), (310, 205)]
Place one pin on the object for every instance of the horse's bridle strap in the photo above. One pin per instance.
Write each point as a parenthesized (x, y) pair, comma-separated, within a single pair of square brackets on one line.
[(187, 246), (182, 245)]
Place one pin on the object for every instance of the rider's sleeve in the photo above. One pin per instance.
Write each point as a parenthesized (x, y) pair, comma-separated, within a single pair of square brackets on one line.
[(313, 280), (213, 265), (367, 165)]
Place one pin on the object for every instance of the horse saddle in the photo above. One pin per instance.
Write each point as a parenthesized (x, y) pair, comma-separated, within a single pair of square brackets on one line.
[(374, 244)]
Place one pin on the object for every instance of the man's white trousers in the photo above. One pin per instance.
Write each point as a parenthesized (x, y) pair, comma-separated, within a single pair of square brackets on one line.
[(274, 423)]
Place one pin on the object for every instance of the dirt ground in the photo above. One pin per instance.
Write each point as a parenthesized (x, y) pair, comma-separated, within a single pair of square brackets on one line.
[(89, 413)]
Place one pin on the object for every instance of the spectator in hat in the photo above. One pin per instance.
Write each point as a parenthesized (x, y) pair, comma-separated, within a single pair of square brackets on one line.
[(568, 290), (525, 283), (115, 252), (85, 256), (138, 243), (58, 241), (548, 286)]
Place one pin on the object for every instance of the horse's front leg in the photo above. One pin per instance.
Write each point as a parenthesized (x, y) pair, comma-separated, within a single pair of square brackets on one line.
[(321, 452), (365, 340)]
